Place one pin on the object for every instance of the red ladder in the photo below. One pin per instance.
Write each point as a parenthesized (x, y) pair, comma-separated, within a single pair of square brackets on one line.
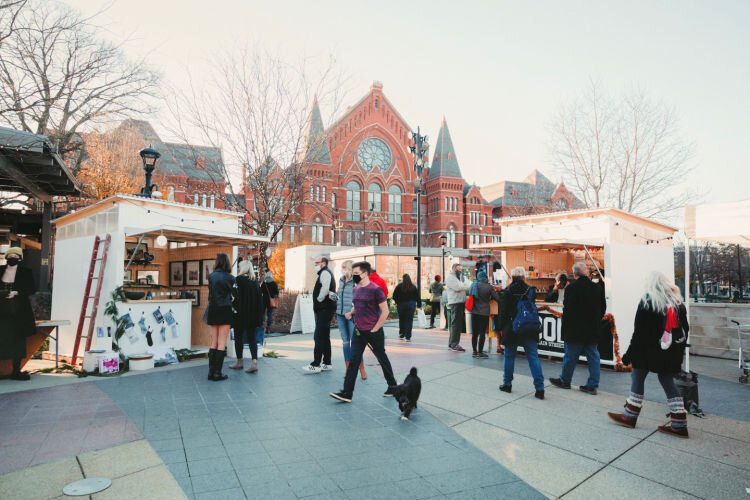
[(87, 295)]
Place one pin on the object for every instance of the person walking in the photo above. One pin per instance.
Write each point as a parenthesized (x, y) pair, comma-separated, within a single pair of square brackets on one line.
[(370, 310), (324, 308), (343, 306), (406, 298), (583, 309), (661, 311), (220, 314), (249, 306), (482, 292), (16, 314), (512, 341), (457, 286), (270, 290), (436, 294)]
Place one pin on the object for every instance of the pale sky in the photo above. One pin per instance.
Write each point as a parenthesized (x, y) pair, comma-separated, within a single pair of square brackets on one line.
[(498, 71)]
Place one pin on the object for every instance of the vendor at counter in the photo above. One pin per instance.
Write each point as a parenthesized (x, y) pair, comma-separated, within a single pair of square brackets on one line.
[(557, 294)]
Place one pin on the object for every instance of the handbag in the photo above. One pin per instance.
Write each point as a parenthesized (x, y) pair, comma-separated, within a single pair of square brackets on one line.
[(666, 338), (273, 302), (421, 318), (470, 303)]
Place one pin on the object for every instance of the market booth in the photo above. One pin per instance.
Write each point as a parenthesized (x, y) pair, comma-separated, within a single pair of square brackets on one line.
[(617, 246), (161, 253)]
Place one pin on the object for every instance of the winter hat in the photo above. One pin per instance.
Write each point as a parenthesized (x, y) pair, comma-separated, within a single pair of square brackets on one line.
[(482, 276), (269, 277), (17, 251)]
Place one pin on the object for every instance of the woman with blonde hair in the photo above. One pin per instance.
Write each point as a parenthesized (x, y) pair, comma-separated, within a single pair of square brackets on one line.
[(658, 345), (249, 316), (343, 306)]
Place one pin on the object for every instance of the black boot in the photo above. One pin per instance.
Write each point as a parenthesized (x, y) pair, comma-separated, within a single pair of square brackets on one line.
[(219, 364), (17, 373), (211, 363)]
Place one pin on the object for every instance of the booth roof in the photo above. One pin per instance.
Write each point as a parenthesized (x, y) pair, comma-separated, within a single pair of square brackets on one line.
[(719, 222), (540, 245), (194, 235), (582, 213)]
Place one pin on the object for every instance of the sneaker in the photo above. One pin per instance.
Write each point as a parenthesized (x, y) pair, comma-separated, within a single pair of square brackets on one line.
[(559, 383), (474, 354), (482, 355), (342, 396), (408, 340), (390, 391), (458, 348), (311, 369), (506, 388), (326, 368), (588, 390), (539, 394)]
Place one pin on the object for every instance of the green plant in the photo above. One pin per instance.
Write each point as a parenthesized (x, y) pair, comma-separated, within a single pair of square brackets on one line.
[(110, 309), (273, 354), (185, 354)]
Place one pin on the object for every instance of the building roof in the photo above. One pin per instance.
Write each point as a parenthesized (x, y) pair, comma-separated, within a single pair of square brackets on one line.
[(582, 214), (316, 142), (444, 162), (535, 190)]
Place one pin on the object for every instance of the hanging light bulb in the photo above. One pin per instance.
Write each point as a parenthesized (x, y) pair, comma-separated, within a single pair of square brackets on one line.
[(161, 241)]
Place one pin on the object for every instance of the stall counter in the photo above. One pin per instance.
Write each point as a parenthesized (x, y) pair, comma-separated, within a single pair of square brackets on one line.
[(166, 322)]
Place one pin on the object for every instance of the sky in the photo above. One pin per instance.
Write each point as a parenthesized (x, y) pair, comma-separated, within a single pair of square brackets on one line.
[(498, 71)]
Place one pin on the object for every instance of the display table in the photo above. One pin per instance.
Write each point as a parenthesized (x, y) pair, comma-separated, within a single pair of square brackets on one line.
[(167, 322), (44, 329)]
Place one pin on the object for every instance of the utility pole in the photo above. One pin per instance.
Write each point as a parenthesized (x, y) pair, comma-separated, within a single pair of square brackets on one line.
[(419, 149), (739, 270)]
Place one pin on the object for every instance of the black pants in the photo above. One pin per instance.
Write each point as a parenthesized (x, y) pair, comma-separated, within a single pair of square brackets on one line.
[(322, 337), (479, 326), (360, 341), (406, 318), (434, 312), (239, 340), (458, 326)]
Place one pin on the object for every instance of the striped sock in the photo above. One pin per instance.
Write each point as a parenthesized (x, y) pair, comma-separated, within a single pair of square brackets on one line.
[(633, 405), (678, 413)]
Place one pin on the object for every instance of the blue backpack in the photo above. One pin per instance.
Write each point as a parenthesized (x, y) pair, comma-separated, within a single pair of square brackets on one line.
[(526, 321)]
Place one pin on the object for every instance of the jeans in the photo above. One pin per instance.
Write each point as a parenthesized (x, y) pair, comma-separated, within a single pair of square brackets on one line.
[(269, 318), (532, 356), (479, 326), (376, 341), (572, 351), (322, 337), (239, 340), (458, 318), (434, 311), (346, 329), (406, 318), (638, 379)]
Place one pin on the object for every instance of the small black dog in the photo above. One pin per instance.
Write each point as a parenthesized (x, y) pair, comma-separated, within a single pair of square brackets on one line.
[(407, 393)]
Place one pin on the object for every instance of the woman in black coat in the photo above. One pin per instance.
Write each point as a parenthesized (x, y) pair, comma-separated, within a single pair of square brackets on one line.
[(406, 297), (16, 315), (219, 314), (661, 309), (249, 306)]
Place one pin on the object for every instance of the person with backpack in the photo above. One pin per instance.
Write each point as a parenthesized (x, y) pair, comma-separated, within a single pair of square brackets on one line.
[(520, 325), (658, 345), (482, 292), (583, 309)]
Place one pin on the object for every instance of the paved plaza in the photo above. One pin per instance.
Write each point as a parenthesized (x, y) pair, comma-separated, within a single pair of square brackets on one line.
[(171, 433)]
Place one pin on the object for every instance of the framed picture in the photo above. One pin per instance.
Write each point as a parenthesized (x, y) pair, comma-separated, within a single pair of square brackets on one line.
[(207, 267), (193, 294), (137, 256), (151, 277), (176, 273), (127, 275), (192, 273)]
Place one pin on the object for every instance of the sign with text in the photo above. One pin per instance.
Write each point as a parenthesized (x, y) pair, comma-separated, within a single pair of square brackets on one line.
[(550, 339)]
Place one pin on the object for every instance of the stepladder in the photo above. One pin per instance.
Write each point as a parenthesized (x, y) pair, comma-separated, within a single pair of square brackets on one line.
[(91, 295)]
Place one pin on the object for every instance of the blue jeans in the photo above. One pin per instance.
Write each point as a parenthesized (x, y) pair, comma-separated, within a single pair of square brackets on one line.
[(269, 317), (260, 335), (572, 352), (532, 356), (346, 329)]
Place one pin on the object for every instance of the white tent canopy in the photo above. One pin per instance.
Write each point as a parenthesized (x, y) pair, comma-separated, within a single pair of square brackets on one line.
[(719, 222)]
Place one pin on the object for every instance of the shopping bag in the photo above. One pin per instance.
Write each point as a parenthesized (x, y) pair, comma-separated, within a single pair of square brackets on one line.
[(421, 318)]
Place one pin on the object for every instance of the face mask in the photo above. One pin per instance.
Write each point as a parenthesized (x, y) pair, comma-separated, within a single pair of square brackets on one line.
[(458, 274), (356, 279), (12, 262), (317, 268)]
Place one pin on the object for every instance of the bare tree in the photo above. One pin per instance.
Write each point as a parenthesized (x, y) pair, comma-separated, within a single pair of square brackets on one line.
[(256, 108), (9, 10), (58, 76), (624, 153)]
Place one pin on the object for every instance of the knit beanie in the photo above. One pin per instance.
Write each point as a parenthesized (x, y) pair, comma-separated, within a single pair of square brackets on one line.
[(17, 251), (482, 276)]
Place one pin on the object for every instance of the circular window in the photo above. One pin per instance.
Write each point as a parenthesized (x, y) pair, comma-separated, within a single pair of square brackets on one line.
[(373, 152)]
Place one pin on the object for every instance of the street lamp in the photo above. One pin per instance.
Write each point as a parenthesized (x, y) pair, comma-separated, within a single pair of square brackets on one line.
[(419, 150), (149, 157), (443, 244)]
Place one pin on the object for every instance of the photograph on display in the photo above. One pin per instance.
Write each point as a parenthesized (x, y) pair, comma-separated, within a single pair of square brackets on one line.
[(193, 295), (169, 318), (193, 273), (207, 267), (158, 316), (137, 254), (127, 275), (176, 273), (148, 277)]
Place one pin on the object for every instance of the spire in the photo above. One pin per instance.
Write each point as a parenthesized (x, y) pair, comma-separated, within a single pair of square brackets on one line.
[(316, 148), (444, 162)]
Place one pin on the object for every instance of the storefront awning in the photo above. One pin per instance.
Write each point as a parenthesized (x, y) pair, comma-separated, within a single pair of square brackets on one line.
[(540, 245), (193, 235)]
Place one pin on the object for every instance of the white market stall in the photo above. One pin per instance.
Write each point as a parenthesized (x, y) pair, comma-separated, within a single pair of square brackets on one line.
[(727, 223), (161, 253), (622, 247)]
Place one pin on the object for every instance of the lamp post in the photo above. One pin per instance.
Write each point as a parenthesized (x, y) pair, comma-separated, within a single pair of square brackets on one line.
[(419, 149), (149, 157), (443, 243)]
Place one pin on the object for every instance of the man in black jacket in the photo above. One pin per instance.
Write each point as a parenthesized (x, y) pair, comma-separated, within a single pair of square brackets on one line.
[(583, 308), (324, 307)]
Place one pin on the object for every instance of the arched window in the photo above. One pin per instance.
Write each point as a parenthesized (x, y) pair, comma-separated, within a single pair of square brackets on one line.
[(317, 193), (213, 201), (451, 237), (333, 200), (195, 199), (374, 198), (352, 201), (394, 204), (203, 200), (323, 195)]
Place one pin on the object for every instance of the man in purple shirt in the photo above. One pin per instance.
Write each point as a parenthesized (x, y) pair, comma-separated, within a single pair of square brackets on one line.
[(369, 312)]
